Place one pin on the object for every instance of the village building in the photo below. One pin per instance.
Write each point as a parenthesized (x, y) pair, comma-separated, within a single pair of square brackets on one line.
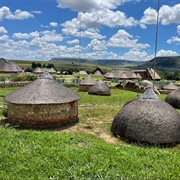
[(85, 84), (100, 88), (147, 119), (9, 67), (128, 74), (98, 71), (170, 87), (173, 98), (39, 70), (149, 74), (120, 74), (43, 103)]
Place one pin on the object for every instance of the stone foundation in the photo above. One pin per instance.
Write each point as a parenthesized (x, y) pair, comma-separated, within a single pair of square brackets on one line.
[(42, 115)]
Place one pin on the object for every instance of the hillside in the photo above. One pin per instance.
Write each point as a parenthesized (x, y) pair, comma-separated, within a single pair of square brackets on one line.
[(102, 62), (163, 64)]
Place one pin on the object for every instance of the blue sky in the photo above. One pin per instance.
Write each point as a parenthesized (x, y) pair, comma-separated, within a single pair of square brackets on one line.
[(94, 29)]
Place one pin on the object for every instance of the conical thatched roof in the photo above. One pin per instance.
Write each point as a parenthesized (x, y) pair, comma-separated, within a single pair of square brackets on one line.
[(88, 81), (97, 73), (170, 86), (6, 66), (148, 119), (100, 88), (173, 98), (44, 90), (38, 70)]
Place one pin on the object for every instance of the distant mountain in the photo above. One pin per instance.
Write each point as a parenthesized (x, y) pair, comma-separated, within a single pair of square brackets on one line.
[(170, 63), (102, 62)]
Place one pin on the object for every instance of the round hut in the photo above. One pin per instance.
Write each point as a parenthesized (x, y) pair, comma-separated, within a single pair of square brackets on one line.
[(43, 103), (100, 88), (38, 70), (170, 87), (173, 98), (147, 119), (85, 84)]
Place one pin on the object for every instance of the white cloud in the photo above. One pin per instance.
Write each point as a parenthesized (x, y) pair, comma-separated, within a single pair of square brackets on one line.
[(124, 39), (178, 29), (75, 41), (170, 14), (150, 16), (136, 55), (3, 30), (173, 39), (47, 37), (4, 38), (106, 18), (167, 15), (96, 45), (89, 5), (26, 35), (166, 53), (53, 24), (5, 13)]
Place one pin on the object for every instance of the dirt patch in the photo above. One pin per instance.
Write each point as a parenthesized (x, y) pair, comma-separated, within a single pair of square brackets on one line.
[(91, 128)]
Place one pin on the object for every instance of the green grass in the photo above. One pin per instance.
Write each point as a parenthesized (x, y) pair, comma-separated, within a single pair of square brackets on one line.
[(56, 155), (80, 152)]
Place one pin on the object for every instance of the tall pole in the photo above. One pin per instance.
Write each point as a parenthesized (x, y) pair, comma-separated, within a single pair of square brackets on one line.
[(156, 40)]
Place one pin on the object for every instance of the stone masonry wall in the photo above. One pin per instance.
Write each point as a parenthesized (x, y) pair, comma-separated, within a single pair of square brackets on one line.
[(42, 116), (13, 84)]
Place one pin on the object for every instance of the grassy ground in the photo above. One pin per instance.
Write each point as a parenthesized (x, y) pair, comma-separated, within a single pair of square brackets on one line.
[(86, 150)]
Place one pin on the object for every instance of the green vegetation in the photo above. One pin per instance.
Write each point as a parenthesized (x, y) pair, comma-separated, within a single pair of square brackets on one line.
[(61, 66), (81, 151), (52, 155)]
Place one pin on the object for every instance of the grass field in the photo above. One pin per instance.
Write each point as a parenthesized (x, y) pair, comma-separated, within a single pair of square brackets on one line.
[(86, 150)]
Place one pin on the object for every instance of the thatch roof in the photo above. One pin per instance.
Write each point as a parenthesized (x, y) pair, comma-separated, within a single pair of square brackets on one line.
[(6, 66), (38, 70), (121, 73), (82, 72), (100, 88), (97, 73), (44, 90), (147, 119), (153, 74), (88, 81), (173, 98), (170, 86)]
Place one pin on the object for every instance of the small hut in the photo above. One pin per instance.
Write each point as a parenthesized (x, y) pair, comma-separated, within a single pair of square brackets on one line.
[(85, 84), (38, 70), (43, 103), (100, 88), (170, 87), (9, 67), (147, 119), (173, 98)]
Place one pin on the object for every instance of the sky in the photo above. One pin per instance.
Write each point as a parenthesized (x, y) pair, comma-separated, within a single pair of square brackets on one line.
[(92, 29)]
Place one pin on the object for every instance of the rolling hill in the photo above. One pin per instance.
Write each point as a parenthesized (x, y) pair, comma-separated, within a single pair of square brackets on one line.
[(171, 64), (102, 62)]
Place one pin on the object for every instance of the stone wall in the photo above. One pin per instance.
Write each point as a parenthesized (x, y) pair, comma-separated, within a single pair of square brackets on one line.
[(42, 115), (14, 84)]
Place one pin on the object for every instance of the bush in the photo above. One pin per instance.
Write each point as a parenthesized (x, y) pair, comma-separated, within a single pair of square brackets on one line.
[(2, 79), (24, 78)]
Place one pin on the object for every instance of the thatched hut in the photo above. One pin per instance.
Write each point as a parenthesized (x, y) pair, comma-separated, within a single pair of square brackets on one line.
[(170, 87), (85, 84), (147, 119), (43, 103), (173, 98), (9, 67), (38, 70), (100, 88)]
